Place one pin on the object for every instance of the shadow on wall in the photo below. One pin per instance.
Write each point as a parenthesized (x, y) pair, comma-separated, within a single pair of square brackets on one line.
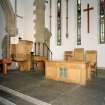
[(5, 46)]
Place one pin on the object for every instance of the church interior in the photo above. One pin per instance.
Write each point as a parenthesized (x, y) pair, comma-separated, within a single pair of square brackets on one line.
[(52, 46)]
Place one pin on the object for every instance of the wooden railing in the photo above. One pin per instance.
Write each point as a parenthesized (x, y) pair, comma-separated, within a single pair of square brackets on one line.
[(42, 49)]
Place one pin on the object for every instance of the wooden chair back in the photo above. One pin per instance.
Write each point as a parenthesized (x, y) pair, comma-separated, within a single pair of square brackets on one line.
[(91, 57), (79, 54), (68, 55)]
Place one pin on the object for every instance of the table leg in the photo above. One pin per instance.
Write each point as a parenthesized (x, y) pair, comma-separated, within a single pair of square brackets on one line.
[(5, 69)]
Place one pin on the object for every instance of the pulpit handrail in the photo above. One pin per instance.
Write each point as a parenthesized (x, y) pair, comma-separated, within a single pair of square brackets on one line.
[(42, 47)]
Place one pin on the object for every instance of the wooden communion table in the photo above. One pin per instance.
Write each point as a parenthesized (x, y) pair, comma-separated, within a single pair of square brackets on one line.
[(75, 72)]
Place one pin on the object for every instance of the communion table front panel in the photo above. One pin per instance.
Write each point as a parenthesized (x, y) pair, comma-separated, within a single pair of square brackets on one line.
[(75, 72)]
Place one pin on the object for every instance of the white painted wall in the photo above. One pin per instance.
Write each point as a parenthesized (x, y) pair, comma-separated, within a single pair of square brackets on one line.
[(2, 29), (25, 26), (67, 44), (20, 11), (19, 21), (28, 24), (90, 41)]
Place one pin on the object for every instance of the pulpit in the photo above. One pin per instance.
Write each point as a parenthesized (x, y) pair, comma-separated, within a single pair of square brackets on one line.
[(21, 53)]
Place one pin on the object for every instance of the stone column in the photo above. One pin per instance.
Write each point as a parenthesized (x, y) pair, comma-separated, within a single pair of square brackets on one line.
[(42, 34), (40, 20)]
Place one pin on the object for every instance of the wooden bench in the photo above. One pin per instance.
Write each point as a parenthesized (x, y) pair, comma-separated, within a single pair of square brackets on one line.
[(5, 63)]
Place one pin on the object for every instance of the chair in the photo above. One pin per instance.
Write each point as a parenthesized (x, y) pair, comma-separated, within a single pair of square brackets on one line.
[(79, 54), (91, 58), (68, 55)]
